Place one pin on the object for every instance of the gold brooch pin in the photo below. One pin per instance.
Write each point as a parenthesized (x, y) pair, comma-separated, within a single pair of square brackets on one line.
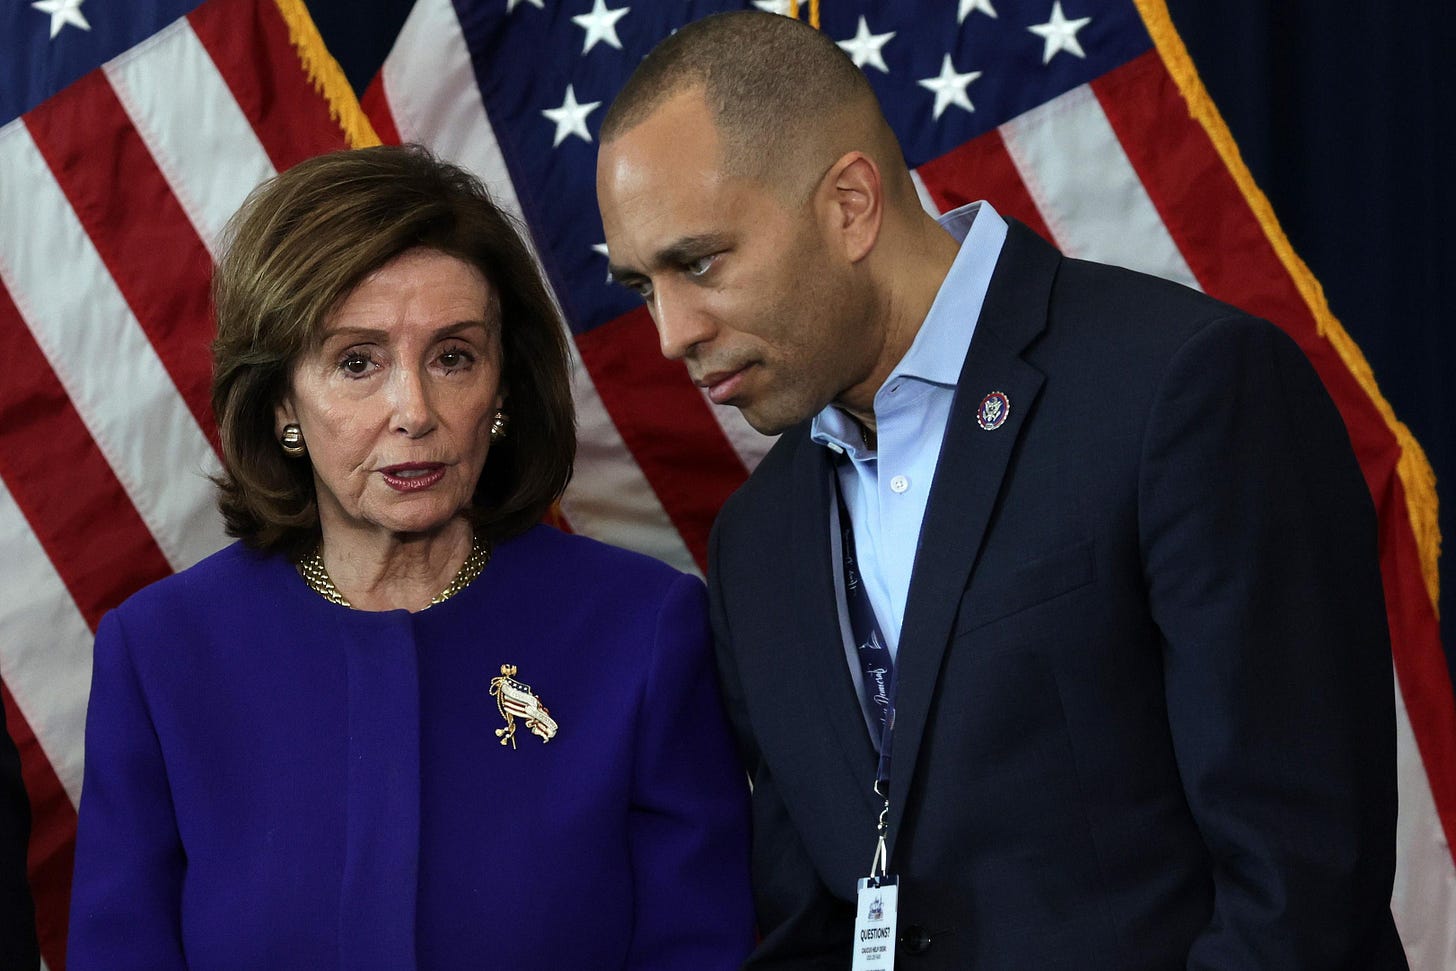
[(515, 699)]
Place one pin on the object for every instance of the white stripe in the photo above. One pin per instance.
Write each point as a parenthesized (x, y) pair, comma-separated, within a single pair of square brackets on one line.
[(185, 112), (430, 87), (429, 82), (1086, 189), (1424, 897), (102, 357), (45, 648)]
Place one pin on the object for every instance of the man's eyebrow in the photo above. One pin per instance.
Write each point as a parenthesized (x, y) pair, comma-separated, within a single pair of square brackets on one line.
[(676, 253)]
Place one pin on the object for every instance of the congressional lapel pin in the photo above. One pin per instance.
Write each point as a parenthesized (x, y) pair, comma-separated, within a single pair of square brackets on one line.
[(515, 699), (994, 410)]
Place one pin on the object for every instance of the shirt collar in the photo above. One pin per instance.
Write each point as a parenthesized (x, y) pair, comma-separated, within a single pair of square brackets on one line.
[(940, 346)]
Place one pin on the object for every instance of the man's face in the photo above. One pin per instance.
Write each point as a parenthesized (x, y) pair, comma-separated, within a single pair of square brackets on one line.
[(747, 287)]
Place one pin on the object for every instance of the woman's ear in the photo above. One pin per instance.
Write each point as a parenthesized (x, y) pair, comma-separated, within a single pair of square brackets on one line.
[(283, 414)]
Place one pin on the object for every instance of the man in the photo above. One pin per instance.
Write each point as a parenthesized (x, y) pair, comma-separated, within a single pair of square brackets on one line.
[(17, 915), (1110, 535)]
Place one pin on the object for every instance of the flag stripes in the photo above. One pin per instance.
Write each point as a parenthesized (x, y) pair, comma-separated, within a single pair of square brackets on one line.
[(63, 486), (1191, 189), (103, 359), (251, 51), (663, 418), (205, 146), (1095, 211), (982, 169), (176, 319)]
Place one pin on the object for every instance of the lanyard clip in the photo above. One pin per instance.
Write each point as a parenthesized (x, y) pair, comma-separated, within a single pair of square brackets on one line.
[(879, 866)]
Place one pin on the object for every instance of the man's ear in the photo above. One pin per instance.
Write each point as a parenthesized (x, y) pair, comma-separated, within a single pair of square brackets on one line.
[(857, 203)]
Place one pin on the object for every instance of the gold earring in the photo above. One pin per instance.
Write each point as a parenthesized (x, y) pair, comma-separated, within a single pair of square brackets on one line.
[(292, 441), (499, 425)]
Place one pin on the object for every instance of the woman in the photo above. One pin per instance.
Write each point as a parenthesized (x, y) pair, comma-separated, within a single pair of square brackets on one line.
[(399, 724)]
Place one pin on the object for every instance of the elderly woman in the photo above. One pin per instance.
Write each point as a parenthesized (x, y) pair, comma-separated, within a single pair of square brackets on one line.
[(400, 724)]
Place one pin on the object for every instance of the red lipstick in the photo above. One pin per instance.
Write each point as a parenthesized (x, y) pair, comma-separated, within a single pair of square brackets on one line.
[(413, 476)]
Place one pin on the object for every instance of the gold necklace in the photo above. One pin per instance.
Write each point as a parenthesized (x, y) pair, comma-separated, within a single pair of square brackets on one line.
[(312, 569)]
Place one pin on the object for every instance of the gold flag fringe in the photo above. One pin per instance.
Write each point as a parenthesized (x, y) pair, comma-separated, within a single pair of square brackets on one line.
[(813, 12), (326, 76)]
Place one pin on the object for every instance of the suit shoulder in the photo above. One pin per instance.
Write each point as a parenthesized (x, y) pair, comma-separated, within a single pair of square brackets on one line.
[(769, 480), (1132, 297)]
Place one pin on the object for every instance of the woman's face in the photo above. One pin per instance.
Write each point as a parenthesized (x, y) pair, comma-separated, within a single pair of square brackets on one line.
[(397, 401)]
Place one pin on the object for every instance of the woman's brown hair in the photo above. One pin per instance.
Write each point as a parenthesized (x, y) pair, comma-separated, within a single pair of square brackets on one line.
[(301, 242)]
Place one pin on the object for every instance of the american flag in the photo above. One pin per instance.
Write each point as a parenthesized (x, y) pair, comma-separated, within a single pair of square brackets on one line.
[(130, 132)]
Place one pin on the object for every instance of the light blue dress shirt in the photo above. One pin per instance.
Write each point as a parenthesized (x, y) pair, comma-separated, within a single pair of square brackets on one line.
[(885, 489)]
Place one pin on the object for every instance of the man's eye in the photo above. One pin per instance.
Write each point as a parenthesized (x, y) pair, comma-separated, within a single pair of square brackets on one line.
[(643, 288), (700, 265)]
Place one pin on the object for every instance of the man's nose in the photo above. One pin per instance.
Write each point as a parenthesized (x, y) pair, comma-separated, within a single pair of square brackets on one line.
[(681, 322)]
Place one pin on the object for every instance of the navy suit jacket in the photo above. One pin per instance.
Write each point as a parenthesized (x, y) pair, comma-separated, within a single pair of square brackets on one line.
[(1145, 705), (273, 781)]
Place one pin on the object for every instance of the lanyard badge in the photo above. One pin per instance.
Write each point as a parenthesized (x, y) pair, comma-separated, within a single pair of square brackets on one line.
[(879, 893)]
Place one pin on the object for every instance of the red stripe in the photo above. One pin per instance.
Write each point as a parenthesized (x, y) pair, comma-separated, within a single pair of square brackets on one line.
[(62, 483), (982, 169), (248, 41), (376, 107), (52, 838), (1226, 248), (666, 424), (136, 224)]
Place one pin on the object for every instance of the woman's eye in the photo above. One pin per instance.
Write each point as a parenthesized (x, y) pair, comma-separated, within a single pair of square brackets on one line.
[(455, 359), (355, 364)]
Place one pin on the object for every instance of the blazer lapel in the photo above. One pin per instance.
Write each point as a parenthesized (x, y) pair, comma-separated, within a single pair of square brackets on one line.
[(819, 655), (968, 479)]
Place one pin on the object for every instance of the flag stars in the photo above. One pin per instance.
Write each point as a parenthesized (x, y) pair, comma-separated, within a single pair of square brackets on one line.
[(570, 118), (63, 13), (866, 48), (969, 7), (600, 24), (950, 87), (1060, 33)]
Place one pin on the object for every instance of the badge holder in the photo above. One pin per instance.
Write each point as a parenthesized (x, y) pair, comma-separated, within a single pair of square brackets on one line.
[(876, 907)]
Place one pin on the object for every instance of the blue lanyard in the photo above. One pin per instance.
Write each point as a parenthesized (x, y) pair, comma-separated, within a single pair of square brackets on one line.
[(877, 667)]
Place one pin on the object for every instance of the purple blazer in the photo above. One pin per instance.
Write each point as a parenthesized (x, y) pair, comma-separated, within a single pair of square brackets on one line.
[(273, 781)]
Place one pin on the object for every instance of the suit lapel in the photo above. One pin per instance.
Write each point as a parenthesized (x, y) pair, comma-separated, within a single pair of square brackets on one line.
[(819, 655), (968, 480)]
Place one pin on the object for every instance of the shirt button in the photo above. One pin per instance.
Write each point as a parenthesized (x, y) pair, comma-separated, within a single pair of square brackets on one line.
[(899, 484)]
